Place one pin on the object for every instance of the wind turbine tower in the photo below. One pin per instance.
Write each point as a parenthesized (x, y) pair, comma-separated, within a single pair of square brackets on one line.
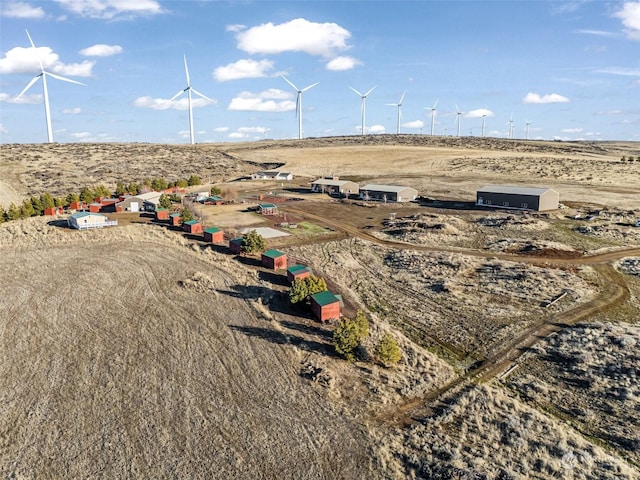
[(510, 123), (43, 73), (484, 116), (399, 105), (433, 116), (363, 106), (299, 102), (458, 115), (190, 89), (526, 137)]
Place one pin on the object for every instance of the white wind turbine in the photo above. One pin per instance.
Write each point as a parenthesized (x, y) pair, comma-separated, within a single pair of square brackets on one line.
[(484, 116), (43, 73), (299, 102), (363, 105), (510, 123), (190, 89), (399, 105), (433, 116), (527, 122), (458, 116)]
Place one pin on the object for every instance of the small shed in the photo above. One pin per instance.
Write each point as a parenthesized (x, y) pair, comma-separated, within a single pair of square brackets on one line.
[(235, 245), (388, 193), (77, 205), (214, 235), (519, 198), (274, 259), (162, 214), (296, 272), (95, 207), (175, 219), (51, 211), (325, 306), (267, 209), (192, 226)]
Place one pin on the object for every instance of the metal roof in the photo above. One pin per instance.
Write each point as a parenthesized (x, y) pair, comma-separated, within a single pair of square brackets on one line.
[(296, 268), (324, 298), (330, 182), (385, 188), (86, 214), (213, 230), (267, 205), (191, 222), (273, 253), (513, 190)]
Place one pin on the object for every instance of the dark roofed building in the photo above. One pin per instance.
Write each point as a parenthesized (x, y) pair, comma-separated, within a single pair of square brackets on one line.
[(325, 306), (296, 272), (214, 235), (274, 259), (522, 198)]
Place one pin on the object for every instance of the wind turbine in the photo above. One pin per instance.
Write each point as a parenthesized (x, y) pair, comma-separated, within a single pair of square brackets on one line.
[(484, 116), (433, 116), (190, 89), (43, 73), (510, 123), (399, 105), (299, 102), (363, 105), (458, 115), (527, 122)]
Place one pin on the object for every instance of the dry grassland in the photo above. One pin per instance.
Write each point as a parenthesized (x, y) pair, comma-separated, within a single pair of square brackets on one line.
[(135, 352)]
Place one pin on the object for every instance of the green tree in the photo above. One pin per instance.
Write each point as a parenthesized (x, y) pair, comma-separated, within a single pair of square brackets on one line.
[(101, 191), (346, 338), (121, 189), (47, 200), (194, 180), (363, 323), (159, 184), (164, 201), (72, 197), (86, 195), (59, 202), (187, 215), (182, 183), (13, 212), (36, 205), (27, 210), (147, 182), (253, 242), (388, 351), (133, 188), (3, 214), (303, 288), (216, 190)]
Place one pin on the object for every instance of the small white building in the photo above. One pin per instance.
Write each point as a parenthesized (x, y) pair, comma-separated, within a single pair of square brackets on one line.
[(333, 186), (85, 220), (388, 193), (143, 201), (273, 175)]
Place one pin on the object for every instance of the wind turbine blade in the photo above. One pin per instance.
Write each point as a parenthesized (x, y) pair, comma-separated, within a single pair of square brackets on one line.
[(186, 70), (29, 36), (457, 109), (356, 91), (287, 80), (435, 104), (370, 90), (310, 87), (391, 104), (203, 95), (402, 97), (58, 77), (29, 85), (177, 95)]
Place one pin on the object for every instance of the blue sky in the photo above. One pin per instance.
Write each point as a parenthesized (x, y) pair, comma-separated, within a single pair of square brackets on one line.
[(571, 69)]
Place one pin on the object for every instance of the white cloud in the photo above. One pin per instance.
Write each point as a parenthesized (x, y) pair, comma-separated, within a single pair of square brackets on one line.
[(414, 124), (343, 63), (221, 129), (237, 135), (628, 72), (25, 60), (549, 98), (376, 129), (272, 100), (479, 113), (597, 33), (630, 16), (3, 129), (108, 9), (253, 130), (245, 68), (72, 111), (298, 35), (81, 135), (572, 130), (21, 10), (164, 104), (101, 50), (27, 99), (235, 28)]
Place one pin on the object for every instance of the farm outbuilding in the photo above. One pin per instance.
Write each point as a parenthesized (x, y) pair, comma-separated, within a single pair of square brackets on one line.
[(214, 235), (521, 198), (192, 226), (78, 205), (333, 186), (325, 306), (267, 209), (272, 175), (296, 272), (85, 220), (235, 245), (175, 219), (50, 211), (388, 193), (274, 259), (162, 214), (143, 201)]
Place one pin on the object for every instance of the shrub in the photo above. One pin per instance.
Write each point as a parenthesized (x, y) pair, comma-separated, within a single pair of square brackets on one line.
[(86, 195), (121, 189), (164, 201), (253, 242), (47, 201), (194, 180), (101, 191), (346, 338), (388, 351), (182, 183), (159, 184), (133, 188), (302, 288), (13, 212), (216, 190), (27, 209), (187, 215)]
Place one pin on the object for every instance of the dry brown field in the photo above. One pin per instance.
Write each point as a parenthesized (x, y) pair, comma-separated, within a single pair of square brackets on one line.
[(139, 352)]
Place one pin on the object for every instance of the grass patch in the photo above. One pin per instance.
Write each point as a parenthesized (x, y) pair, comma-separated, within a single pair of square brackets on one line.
[(308, 228)]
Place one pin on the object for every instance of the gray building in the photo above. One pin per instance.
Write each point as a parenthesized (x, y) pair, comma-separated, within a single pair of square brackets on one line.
[(388, 193), (521, 198), (334, 186), (136, 203)]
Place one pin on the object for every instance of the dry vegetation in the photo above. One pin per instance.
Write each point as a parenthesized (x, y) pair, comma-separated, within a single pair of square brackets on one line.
[(137, 352)]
